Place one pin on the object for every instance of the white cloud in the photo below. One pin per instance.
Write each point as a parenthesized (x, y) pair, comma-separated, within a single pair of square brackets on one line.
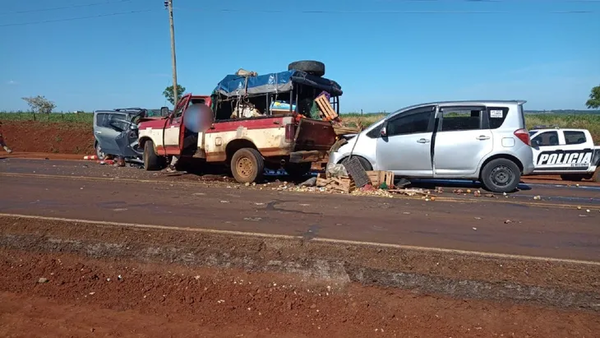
[(12, 82)]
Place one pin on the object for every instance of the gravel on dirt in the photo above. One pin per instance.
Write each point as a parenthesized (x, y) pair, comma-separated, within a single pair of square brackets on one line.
[(85, 297)]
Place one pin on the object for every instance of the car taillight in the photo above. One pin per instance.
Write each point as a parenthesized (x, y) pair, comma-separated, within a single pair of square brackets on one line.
[(523, 135), (290, 132)]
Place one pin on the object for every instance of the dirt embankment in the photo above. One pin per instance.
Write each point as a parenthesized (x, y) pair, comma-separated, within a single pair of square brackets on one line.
[(62, 295), (49, 137)]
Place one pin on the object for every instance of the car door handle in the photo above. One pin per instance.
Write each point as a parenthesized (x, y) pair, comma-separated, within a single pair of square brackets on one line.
[(422, 140), (483, 137)]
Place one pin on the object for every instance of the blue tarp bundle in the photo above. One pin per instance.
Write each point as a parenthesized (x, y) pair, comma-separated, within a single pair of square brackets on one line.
[(235, 85)]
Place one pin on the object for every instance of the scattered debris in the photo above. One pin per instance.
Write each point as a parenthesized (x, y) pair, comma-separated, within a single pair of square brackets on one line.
[(474, 229), (507, 221), (537, 197), (252, 219), (311, 182), (43, 280)]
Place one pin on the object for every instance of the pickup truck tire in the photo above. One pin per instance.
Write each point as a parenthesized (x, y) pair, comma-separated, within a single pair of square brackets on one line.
[(152, 161), (500, 175), (311, 67), (297, 170), (247, 165)]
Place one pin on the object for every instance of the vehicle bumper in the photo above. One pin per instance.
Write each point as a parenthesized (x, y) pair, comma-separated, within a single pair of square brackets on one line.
[(528, 168), (307, 156)]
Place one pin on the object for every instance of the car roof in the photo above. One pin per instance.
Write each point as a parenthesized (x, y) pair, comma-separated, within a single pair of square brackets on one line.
[(461, 103)]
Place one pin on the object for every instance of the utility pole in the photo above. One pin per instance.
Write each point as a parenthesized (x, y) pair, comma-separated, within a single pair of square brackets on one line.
[(169, 6)]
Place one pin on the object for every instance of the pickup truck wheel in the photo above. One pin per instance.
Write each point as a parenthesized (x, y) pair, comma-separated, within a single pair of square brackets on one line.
[(247, 165), (151, 160), (500, 175), (298, 170)]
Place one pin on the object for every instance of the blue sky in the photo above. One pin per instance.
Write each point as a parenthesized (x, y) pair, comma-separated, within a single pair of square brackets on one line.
[(385, 53)]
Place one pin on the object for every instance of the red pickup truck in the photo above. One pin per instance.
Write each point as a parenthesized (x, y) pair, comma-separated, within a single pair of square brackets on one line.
[(248, 144)]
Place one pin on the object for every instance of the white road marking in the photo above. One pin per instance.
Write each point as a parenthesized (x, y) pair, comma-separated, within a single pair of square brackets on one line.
[(322, 240)]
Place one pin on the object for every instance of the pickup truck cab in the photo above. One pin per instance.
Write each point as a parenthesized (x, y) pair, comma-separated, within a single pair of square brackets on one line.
[(570, 153)]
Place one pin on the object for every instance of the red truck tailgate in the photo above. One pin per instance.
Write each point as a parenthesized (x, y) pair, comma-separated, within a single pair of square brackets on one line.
[(314, 135)]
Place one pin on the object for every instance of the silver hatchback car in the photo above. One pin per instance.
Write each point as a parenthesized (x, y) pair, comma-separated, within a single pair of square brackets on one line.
[(475, 140)]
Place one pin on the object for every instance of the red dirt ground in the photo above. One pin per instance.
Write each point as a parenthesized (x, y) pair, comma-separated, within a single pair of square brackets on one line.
[(46, 137), (116, 298)]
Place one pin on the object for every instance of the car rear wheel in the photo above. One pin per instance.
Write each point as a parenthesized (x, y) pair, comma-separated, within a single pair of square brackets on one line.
[(151, 159), (501, 175), (247, 165)]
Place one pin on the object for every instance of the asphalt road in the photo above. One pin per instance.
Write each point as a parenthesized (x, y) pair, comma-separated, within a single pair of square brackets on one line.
[(564, 222)]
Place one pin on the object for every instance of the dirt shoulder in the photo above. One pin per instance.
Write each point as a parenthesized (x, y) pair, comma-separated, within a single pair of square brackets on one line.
[(545, 282), (117, 297)]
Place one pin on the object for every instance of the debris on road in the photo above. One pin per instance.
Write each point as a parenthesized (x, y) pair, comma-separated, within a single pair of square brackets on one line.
[(311, 182), (43, 280)]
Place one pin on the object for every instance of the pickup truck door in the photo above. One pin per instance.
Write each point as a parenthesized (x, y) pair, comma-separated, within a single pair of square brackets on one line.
[(173, 135), (405, 144), (548, 151)]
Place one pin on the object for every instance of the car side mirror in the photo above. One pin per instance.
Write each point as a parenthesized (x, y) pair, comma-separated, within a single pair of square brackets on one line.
[(383, 131), (164, 111)]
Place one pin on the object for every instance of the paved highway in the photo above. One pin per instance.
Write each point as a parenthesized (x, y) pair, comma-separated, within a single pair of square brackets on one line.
[(556, 225)]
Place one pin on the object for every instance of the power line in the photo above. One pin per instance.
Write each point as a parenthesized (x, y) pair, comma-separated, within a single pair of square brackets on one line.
[(77, 18), (386, 11), (64, 7)]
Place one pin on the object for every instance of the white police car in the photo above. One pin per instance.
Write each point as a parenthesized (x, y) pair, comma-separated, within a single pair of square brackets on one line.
[(570, 153)]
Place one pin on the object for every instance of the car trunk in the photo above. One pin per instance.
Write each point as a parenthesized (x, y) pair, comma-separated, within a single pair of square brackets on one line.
[(314, 135)]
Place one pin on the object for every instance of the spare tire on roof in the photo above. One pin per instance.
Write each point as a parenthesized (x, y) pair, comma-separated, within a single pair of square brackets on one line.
[(311, 67)]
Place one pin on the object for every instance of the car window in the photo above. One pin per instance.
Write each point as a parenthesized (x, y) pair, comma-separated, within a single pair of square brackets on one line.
[(102, 119), (496, 116), (574, 137), (454, 119), (118, 122), (547, 138), (409, 124)]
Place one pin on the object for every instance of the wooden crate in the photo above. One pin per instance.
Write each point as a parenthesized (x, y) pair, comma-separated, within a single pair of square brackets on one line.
[(344, 184), (379, 176), (327, 112)]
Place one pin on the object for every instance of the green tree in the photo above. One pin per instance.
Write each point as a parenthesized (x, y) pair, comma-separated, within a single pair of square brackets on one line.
[(39, 104), (594, 101), (168, 93)]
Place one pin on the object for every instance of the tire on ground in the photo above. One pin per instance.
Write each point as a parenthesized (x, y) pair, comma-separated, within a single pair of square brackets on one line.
[(311, 67), (151, 159), (247, 165), (298, 170), (572, 177), (500, 175), (99, 153)]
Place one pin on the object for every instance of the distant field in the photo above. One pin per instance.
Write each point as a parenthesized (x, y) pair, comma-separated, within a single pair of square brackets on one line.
[(56, 117), (587, 121)]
